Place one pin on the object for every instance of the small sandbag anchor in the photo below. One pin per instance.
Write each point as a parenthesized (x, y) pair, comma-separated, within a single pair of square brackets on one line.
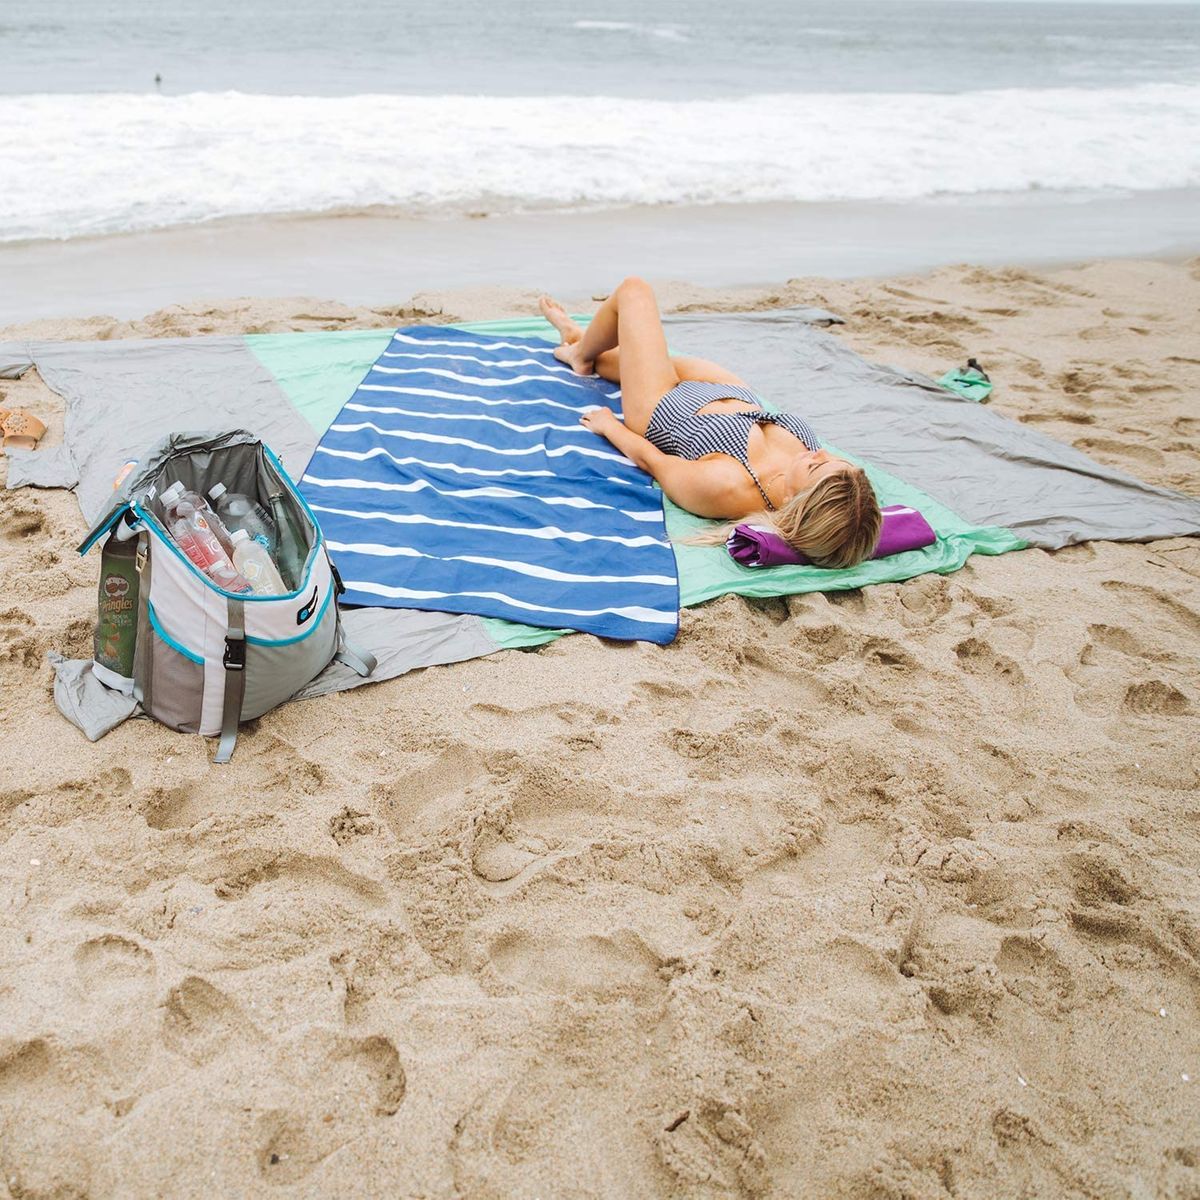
[(971, 383)]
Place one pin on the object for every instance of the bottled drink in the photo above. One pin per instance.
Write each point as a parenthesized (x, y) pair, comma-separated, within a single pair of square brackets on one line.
[(293, 546), (238, 511), (255, 565), (177, 495), (124, 473), (190, 528), (116, 626)]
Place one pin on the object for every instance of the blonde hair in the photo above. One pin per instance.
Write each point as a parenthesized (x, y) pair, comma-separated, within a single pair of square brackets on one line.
[(835, 523)]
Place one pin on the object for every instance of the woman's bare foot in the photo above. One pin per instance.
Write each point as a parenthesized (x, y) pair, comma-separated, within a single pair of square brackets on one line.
[(570, 333), (569, 354), (557, 316)]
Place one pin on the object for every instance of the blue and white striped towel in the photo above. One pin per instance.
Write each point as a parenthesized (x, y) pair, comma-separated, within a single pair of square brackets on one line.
[(458, 478)]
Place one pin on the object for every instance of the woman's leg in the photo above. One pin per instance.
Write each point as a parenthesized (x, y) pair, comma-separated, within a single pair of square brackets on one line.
[(608, 364), (629, 318)]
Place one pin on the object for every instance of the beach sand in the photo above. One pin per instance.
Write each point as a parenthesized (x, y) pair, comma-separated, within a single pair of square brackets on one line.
[(890, 893)]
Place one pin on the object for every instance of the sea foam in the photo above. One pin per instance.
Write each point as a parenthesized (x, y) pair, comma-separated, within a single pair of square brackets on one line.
[(76, 165)]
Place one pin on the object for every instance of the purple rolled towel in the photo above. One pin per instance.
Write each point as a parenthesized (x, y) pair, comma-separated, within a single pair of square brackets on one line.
[(903, 529)]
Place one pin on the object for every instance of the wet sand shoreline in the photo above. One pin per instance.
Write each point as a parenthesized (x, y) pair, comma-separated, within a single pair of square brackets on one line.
[(374, 259)]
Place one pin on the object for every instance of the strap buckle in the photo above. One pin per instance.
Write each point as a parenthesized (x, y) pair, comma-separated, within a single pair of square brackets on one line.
[(235, 654), (339, 586)]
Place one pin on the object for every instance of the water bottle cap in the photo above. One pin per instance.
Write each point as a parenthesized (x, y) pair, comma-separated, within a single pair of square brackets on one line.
[(172, 493), (217, 490), (239, 535)]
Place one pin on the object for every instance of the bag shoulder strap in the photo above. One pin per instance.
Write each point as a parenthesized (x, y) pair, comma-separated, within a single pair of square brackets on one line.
[(234, 663), (361, 662)]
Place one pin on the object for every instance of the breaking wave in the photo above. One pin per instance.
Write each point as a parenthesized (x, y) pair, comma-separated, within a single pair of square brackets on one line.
[(104, 163)]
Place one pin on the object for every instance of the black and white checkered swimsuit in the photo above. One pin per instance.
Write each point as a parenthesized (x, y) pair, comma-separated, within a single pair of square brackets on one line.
[(678, 427)]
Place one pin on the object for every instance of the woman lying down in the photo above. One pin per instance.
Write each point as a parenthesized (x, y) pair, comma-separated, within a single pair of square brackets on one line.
[(704, 436)]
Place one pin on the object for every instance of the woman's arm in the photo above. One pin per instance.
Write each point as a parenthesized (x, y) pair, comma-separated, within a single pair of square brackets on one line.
[(703, 488)]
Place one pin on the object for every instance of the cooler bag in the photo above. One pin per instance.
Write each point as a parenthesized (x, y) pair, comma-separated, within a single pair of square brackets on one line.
[(206, 659)]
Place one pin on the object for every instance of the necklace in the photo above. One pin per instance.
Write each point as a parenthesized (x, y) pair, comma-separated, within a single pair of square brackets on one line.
[(767, 484)]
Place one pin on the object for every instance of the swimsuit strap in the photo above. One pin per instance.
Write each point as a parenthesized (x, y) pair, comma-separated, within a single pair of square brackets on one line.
[(754, 418), (762, 491)]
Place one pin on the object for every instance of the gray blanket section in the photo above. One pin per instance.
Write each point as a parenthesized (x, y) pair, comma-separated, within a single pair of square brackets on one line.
[(15, 360), (85, 701), (122, 396), (989, 469)]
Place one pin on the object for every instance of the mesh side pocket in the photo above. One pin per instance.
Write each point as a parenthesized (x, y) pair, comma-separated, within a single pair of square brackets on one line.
[(175, 695)]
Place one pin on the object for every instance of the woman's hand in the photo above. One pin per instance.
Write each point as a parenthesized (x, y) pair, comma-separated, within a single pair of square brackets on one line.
[(601, 421)]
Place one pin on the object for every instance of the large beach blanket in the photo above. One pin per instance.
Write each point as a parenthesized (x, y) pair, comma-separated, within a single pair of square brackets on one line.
[(986, 484), (458, 478)]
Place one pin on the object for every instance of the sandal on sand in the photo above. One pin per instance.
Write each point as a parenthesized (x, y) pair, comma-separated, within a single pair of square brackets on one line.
[(21, 429)]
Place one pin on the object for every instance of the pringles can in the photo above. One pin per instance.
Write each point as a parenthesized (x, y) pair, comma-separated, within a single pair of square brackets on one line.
[(117, 613)]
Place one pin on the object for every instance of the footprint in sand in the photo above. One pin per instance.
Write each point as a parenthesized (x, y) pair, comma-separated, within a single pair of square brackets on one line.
[(924, 599), (1155, 697), (346, 1084), (977, 658), (19, 641), (114, 964), (496, 859), (200, 1022), (1123, 641), (883, 652), (1035, 974), (178, 807), (1118, 452), (428, 791), (1082, 381), (1157, 602), (21, 520), (1080, 552), (104, 791), (251, 869), (350, 824), (612, 967), (42, 1093), (1102, 875)]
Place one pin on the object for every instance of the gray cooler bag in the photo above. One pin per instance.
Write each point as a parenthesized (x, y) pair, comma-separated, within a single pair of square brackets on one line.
[(205, 658)]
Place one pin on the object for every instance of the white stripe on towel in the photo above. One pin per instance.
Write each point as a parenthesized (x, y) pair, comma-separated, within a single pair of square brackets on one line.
[(545, 532), (635, 613), (499, 493), (505, 564)]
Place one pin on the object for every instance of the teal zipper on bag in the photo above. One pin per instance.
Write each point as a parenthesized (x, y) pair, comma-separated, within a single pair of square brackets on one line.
[(89, 542), (253, 641)]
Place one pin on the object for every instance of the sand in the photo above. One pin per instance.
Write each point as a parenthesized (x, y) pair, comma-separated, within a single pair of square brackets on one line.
[(359, 256), (891, 893)]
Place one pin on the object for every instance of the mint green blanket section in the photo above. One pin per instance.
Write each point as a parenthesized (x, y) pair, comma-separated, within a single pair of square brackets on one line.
[(317, 373)]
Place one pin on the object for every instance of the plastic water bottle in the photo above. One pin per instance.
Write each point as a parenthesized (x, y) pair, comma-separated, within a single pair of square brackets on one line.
[(124, 473), (255, 564), (195, 536), (177, 494), (238, 511), (293, 548)]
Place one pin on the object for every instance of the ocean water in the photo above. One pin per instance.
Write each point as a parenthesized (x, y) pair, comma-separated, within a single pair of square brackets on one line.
[(437, 107)]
